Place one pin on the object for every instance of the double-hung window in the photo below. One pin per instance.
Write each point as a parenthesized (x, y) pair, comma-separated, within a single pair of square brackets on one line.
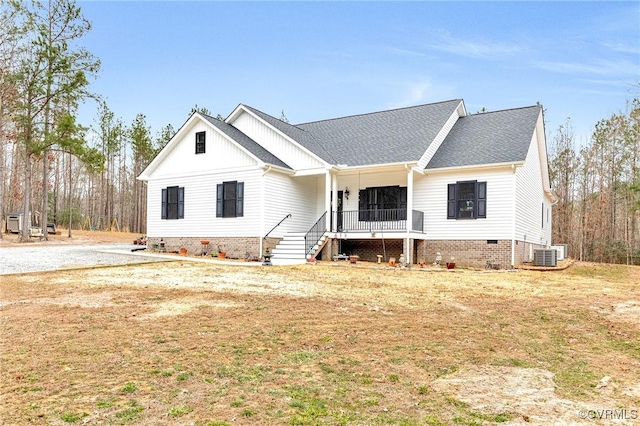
[(230, 199), (201, 142), (173, 202), (467, 200)]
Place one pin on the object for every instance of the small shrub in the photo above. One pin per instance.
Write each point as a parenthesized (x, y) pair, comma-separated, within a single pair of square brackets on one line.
[(72, 417), (423, 390), (129, 387), (175, 412), (247, 412)]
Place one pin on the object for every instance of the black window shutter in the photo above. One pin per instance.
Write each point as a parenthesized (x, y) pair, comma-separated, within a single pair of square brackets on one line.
[(403, 198), (219, 200), (164, 203), (181, 203), (240, 199), (402, 204), (362, 205), (451, 201), (481, 191)]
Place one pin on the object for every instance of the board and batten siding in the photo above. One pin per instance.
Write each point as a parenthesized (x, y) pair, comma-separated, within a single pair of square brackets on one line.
[(290, 195), (287, 151), (219, 154), (530, 197), (430, 196), (200, 206)]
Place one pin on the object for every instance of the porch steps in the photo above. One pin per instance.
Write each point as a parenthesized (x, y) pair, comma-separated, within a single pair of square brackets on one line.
[(319, 246), (291, 249)]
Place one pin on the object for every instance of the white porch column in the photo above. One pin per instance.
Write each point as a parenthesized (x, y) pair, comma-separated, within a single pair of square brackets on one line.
[(409, 254), (327, 197), (334, 202)]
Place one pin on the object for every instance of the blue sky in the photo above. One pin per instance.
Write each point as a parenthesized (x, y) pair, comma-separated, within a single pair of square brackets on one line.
[(318, 60)]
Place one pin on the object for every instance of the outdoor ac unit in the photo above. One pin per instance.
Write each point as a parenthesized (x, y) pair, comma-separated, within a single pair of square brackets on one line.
[(545, 257), (561, 249)]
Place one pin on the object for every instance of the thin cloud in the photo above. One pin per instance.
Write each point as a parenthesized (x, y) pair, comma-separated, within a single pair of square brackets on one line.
[(602, 67), (623, 48), (420, 92), (404, 52), (474, 49)]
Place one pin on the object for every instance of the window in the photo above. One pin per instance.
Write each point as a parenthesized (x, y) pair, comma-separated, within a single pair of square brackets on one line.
[(382, 203), (200, 142), (230, 199), (173, 203), (467, 200)]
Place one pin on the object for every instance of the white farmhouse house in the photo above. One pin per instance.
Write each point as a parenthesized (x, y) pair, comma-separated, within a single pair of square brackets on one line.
[(415, 181)]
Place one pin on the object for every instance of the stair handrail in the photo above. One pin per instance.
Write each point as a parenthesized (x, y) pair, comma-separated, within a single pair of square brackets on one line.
[(314, 234), (283, 219)]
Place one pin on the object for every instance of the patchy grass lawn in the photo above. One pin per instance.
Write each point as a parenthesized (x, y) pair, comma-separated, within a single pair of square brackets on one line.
[(187, 343)]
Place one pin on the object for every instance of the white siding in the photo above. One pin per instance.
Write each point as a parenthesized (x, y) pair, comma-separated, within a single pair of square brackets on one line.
[(287, 151), (530, 199), (200, 206), (295, 195), (220, 154), (430, 196)]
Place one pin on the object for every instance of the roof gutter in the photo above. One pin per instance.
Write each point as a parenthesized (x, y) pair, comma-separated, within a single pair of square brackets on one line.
[(510, 164), (399, 165)]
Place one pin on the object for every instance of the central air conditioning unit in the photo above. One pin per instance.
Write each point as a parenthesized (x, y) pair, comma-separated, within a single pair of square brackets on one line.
[(545, 257)]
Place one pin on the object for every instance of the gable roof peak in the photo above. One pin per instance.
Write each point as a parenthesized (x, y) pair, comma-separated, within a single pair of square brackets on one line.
[(538, 105), (399, 109)]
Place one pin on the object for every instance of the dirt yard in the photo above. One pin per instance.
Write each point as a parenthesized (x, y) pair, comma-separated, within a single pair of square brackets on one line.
[(77, 237), (199, 344)]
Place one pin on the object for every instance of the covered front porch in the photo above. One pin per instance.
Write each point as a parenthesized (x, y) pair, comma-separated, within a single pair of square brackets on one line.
[(378, 221), (363, 204), (353, 232)]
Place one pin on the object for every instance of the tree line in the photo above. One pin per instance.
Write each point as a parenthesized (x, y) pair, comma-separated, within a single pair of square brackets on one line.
[(598, 187), (53, 169)]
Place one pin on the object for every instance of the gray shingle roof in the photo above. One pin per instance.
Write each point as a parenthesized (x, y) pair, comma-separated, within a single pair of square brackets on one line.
[(380, 137), (246, 142), (488, 138), (299, 135)]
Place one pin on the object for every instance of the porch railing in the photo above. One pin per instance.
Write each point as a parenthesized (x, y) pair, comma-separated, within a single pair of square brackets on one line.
[(315, 233), (418, 221), (379, 220), (283, 219)]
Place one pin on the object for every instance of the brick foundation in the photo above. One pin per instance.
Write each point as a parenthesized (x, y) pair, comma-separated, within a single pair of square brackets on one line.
[(235, 247), (466, 253), (470, 253)]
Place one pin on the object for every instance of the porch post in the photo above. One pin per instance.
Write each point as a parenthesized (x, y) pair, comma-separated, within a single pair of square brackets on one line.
[(327, 198), (408, 254), (334, 202)]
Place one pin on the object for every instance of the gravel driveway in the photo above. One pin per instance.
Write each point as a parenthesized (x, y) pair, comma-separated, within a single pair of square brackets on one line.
[(31, 258)]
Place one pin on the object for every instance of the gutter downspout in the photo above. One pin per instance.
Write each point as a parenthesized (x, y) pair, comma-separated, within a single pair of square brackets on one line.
[(551, 227), (409, 254), (513, 236), (263, 191)]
